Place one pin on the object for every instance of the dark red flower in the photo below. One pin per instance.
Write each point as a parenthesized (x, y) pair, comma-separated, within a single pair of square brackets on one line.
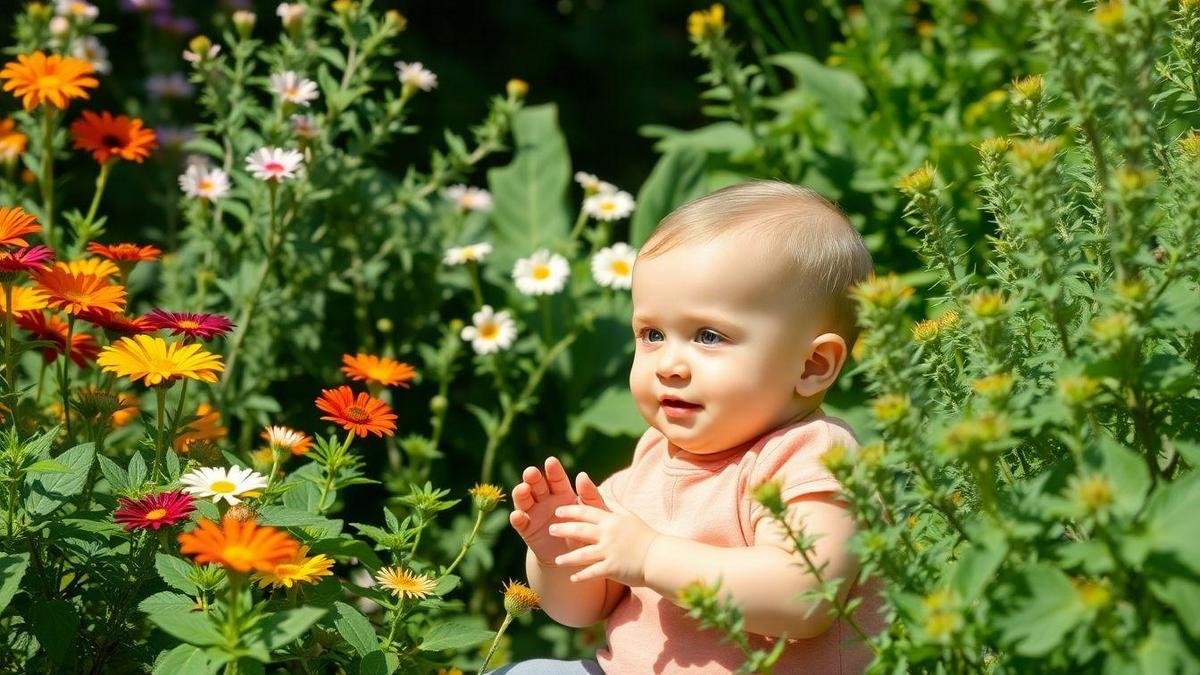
[(26, 259), (164, 508), (51, 328), (191, 324), (116, 322)]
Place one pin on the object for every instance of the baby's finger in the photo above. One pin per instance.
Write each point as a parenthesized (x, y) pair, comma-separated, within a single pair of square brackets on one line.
[(556, 476), (581, 556), (596, 571), (533, 478), (575, 530), (522, 497), (588, 492), (582, 512), (520, 521)]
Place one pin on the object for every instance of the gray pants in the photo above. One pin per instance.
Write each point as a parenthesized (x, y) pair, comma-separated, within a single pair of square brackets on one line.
[(550, 667)]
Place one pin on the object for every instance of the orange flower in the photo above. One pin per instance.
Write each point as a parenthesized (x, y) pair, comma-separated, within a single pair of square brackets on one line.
[(385, 371), (12, 142), (24, 299), (128, 411), (206, 427), (123, 252), (359, 415), (107, 137), (74, 293), (15, 224), (96, 267), (38, 78), (240, 546)]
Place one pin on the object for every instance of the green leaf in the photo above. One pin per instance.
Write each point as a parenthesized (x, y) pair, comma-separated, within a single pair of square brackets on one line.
[(455, 635), (12, 569), (174, 571), (1170, 528), (355, 628), (612, 413), (182, 660), (1044, 615), (191, 627), (54, 623), (975, 568), (114, 474), (137, 469), (840, 92), (281, 628), (677, 177), (47, 493), (283, 516), (46, 466), (529, 210), (378, 663), (165, 602)]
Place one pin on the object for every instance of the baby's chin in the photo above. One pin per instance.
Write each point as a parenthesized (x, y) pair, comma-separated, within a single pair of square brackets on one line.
[(696, 437)]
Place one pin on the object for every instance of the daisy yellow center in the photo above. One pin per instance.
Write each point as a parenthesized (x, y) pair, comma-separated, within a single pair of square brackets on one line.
[(357, 414), (620, 268), (238, 556), (206, 185), (188, 323), (489, 331), (608, 206), (273, 167), (222, 486), (541, 272), (156, 514)]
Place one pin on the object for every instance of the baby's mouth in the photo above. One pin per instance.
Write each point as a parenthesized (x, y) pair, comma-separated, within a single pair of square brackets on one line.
[(676, 407)]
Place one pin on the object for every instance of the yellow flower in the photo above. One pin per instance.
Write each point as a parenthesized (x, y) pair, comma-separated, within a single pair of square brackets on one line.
[(890, 408), (486, 496), (519, 599), (918, 182), (925, 331), (298, 570), (1076, 390), (703, 24), (405, 583), (1034, 154), (154, 361), (995, 387), (994, 147), (1094, 493), (1027, 91), (25, 299), (516, 89), (883, 292)]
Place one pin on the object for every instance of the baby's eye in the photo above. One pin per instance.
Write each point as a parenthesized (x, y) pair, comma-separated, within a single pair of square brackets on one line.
[(709, 337), (652, 335)]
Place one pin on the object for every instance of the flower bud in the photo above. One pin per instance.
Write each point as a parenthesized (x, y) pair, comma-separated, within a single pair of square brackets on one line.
[(882, 292), (1189, 146), (516, 89), (769, 494), (1028, 90), (890, 408), (242, 513), (200, 45), (38, 12), (486, 496), (994, 388), (1112, 328), (1092, 493), (344, 7), (948, 321), (988, 304), (1094, 595), (395, 19), (836, 459), (456, 325), (1110, 16), (1033, 155), (519, 599), (926, 331), (975, 436), (993, 148), (1076, 390), (919, 182), (243, 21), (1132, 289), (384, 325), (1132, 180), (438, 404), (706, 24), (859, 350)]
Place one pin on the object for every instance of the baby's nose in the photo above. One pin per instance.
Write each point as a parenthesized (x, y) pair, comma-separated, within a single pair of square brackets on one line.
[(673, 365)]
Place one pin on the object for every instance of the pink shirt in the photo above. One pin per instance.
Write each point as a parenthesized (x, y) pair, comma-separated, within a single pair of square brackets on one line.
[(707, 498)]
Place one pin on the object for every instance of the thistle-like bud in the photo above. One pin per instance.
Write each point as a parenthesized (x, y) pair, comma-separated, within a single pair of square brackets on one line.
[(995, 387), (1189, 146), (1112, 328), (884, 292), (926, 331), (919, 182), (948, 321), (1131, 180), (1092, 493), (988, 304), (994, 148), (706, 24), (344, 8), (1033, 155), (890, 408), (770, 495), (870, 456), (1078, 390), (243, 21), (1110, 16), (486, 496), (975, 436), (396, 19), (516, 89), (1028, 90), (519, 599), (836, 459), (1132, 289), (200, 45)]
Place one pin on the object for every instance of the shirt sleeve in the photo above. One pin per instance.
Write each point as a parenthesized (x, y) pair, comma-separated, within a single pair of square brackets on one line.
[(794, 461), (613, 487)]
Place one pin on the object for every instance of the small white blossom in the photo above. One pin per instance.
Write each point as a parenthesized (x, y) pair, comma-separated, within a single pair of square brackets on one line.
[(201, 182), (60, 26), (221, 483), (612, 266), (469, 198), (609, 205), (459, 255), (592, 185), (304, 126), (415, 75), (89, 48), (196, 57), (543, 273), (292, 88), (491, 331), (291, 13), (274, 163), (77, 10)]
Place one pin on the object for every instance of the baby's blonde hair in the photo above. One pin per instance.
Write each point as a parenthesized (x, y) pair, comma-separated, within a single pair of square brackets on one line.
[(828, 255)]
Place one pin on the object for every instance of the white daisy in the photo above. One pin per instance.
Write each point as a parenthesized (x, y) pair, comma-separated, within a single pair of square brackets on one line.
[(88, 48), (285, 439), (291, 13), (84, 12), (491, 332), (469, 198), (274, 163), (292, 88), (592, 185), (459, 255), (304, 126), (612, 266), (609, 205), (202, 182), (543, 273), (415, 76), (221, 483)]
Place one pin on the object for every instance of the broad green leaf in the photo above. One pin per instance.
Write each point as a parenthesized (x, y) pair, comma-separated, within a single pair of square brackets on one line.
[(12, 570), (840, 92), (54, 623), (182, 660), (455, 635), (613, 413), (165, 602), (283, 516), (378, 663), (1170, 525), (728, 138), (192, 627), (50, 491), (1045, 615), (355, 628), (280, 628), (114, 474), (137, 469), (46, 466), (974, 570), (174, 571), (677, 177)]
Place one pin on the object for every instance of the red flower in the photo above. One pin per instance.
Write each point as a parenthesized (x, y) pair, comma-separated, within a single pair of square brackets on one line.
[(116, 322), (164, 508), (50, 328), (107, 137), (26, 259), (191, 324), (122, 252), (359, 415)]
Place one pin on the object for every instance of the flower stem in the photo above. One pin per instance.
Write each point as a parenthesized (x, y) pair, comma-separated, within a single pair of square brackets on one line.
[(473, 267), (466, 544), (9, 370), (161, 393), (495, 642), (239, 335), (66, 373), (48, 176), (577, 230), (101, 181)]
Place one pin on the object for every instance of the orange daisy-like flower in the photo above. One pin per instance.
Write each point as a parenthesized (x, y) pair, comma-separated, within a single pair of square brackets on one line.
[(37, 78), (12, 142), (361, 415), (115, 321), (125, 252), (128, 411), (107, 137), (24, 299), (237, 545), (206, 427), (74, 293), (385, 371), (15, 224), (155, 361), (96, 267)]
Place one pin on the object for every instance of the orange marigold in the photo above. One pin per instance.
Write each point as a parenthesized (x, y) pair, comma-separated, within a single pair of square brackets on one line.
[(385, 371), (237, 545), (37, 78), (206, 427), (107, 137), (12, 142), (125, 251), (15, 224), (74, 293), (361, 414)]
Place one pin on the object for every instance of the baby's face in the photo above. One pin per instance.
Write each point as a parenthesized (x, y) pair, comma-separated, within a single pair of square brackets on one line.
[(720, 343)]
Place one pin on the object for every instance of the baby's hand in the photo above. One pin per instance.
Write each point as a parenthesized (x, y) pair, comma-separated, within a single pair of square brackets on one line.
[(534, 501)]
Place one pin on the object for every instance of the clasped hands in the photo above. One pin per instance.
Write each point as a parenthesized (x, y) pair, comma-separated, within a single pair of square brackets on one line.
[(576, 527)]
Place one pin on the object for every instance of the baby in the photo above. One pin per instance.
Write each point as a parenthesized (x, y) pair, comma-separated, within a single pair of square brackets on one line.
[(742, 318)]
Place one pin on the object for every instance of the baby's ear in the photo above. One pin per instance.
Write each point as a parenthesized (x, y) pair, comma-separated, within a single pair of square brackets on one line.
[(824, 363)]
